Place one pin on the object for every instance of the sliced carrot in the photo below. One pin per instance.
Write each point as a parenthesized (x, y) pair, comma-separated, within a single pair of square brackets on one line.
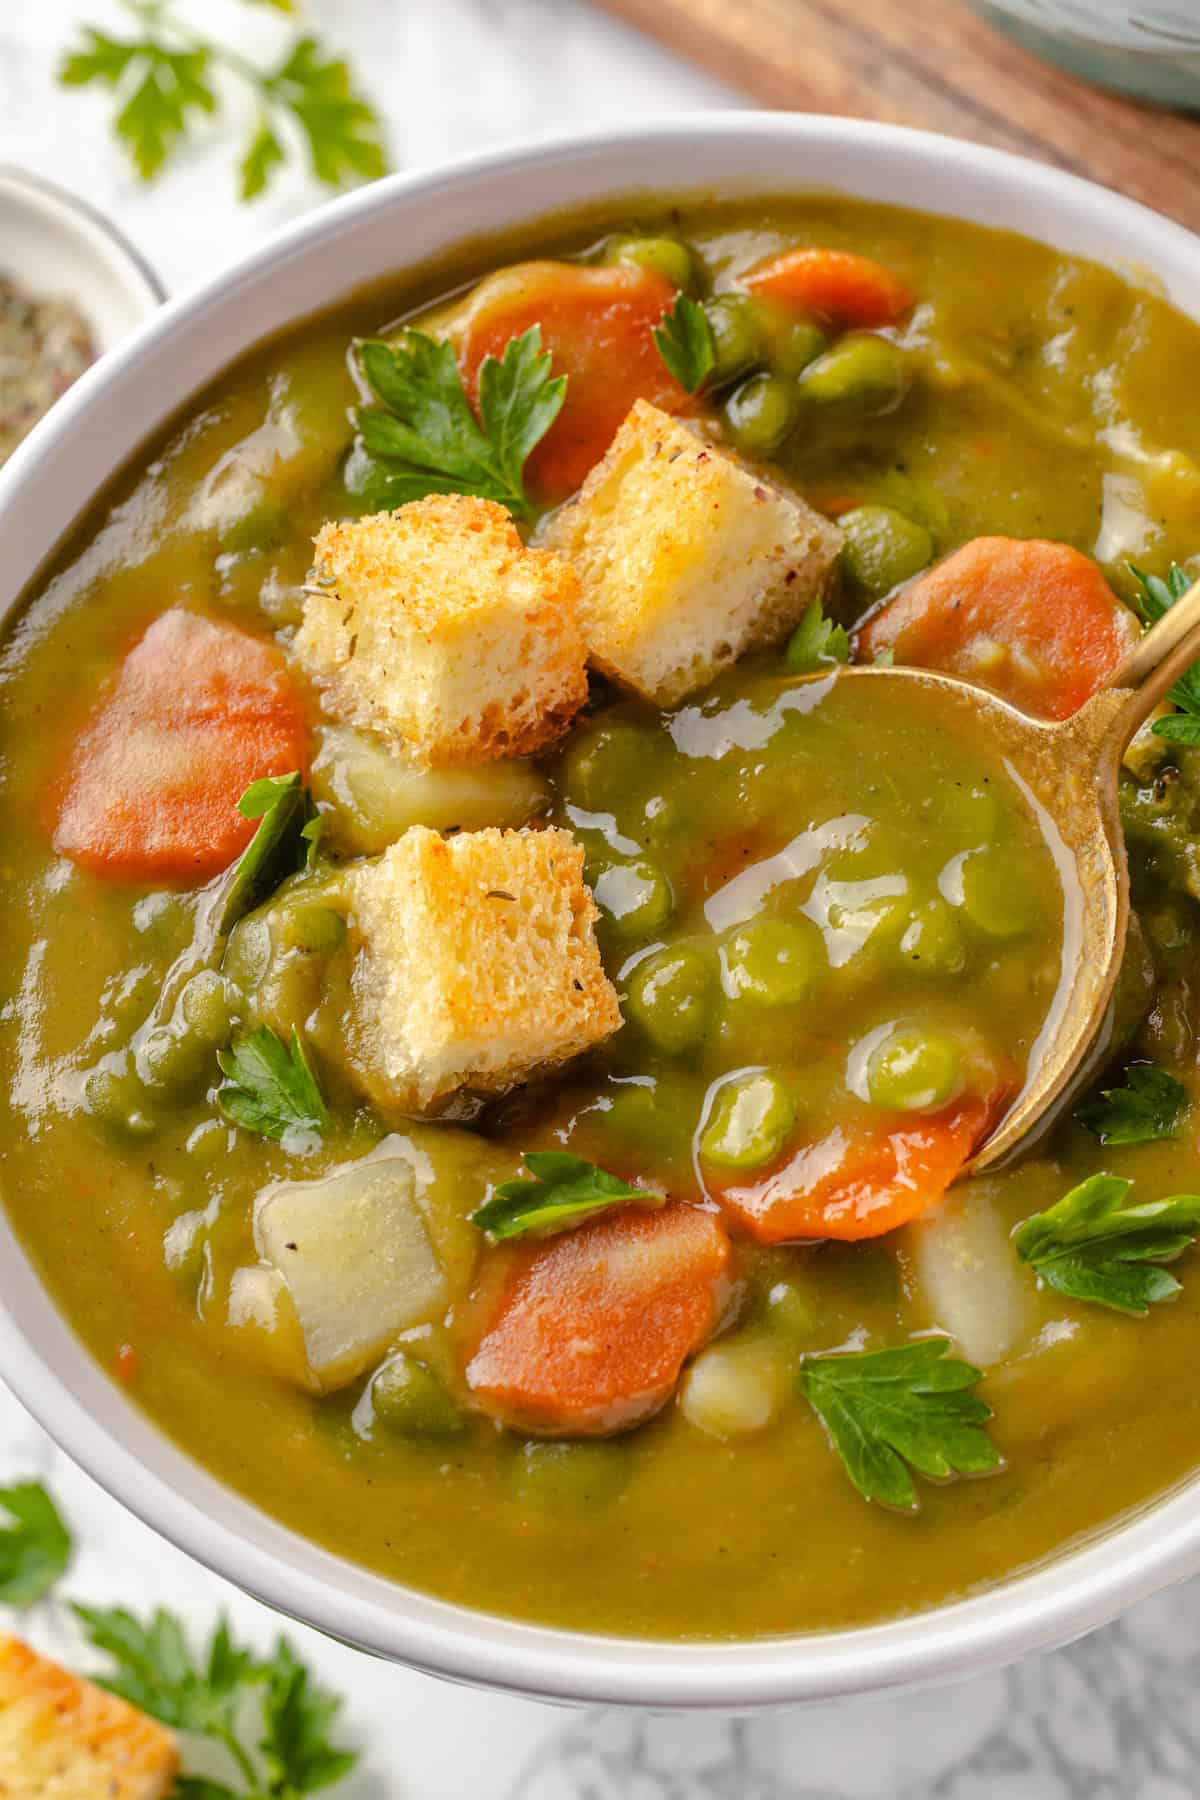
[(1032, 620), (199, 711), (860, 1185), (597, 324), (836, 286), (591, 1329)]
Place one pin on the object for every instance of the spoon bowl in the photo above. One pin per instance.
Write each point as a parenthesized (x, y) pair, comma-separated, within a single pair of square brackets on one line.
[(1068, 771)]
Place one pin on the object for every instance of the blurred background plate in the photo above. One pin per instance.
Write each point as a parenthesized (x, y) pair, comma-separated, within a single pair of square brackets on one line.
[(1152, 50)]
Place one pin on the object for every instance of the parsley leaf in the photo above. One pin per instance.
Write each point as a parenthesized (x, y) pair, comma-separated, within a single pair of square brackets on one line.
[(269, 1087), (286, 840), (1148, 1106), (425, 438), (297, 1717), (1090, 1246), (156, 1671), (1157, 596), (887, 1411), (685, 343), (816, 642), (564, 1190), (166, 77), (35, 1547), (341, 130)]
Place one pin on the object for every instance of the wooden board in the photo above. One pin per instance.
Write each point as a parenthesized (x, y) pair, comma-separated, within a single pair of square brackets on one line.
[(933, 63)]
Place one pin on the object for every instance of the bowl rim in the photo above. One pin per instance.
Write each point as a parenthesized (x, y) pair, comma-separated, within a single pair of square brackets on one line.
[(1070, 1593)]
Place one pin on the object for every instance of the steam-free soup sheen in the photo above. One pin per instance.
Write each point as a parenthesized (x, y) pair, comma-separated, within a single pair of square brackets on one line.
[(831, 916)]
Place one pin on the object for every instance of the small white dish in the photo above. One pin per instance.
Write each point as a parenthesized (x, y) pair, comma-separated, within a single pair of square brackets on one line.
[(57, 247)]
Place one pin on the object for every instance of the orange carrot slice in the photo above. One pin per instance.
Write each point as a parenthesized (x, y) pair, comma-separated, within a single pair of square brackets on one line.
[(591, 1329), (1034, 621), (836, 286), (199, 711), (862, 1185), (597, 324)]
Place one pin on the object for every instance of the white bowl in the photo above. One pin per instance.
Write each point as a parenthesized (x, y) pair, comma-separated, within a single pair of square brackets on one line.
[(71, 454), (53, 244)]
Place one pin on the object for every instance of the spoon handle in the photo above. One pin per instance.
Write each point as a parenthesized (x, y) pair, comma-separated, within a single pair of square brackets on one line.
[(1159, 658)]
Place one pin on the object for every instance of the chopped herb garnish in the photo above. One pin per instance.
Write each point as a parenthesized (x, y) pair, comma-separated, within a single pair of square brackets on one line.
[(563, 1191), (289, 1755), (816, 641), (424, 438), (1158, 596), (887, 1411), (269, 1087), (685, 343), (286, 840), (1090, 1246), (168, 76), (1148, 1106), (35, 1545)]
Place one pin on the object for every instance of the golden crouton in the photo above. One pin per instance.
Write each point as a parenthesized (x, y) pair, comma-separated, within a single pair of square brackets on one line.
[(63, 1739), (476, 964), (687, 558), (436, 628)]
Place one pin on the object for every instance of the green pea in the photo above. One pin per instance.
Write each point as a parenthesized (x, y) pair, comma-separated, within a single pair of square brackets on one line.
[(204, 1006), (773, 962), (312, 927), (262, 526), (861, 377), (736, 323), (607, 761), (663, 256), (933, 943), (669, 997), (997, 893), (790, 1311), (410, 1400), (749, 1121), (169, 1059), (760, 414), (567, 1478), (970, 810), (882, 548), (913, 1070), (117, 1098), (791, 343), (635, 896)]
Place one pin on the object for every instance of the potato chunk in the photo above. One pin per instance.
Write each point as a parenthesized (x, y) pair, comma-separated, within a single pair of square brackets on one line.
[(686, 558), (356, 1256)]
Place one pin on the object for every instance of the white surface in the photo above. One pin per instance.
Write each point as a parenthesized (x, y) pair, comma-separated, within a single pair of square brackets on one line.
[(1111, 1718)]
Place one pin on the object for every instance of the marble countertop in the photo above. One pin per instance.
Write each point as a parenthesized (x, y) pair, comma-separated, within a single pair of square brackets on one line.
[(1113, 1718)]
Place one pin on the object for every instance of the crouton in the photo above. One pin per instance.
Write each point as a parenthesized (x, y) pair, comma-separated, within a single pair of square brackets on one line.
[(63, 1739), (436, 628), (475, 964), (687, 558)]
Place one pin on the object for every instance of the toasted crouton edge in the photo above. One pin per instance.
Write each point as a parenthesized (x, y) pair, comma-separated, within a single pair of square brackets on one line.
[(437, 628), (478, 964), (687, 556), (62, 1738)]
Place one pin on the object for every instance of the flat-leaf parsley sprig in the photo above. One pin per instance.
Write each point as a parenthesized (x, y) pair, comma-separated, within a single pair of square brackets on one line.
[(424, 438), (269, 1086), (560, 1191), (890, 1411), (1149, 1106), (1157, 595), (35, 1546), (1091, 1246), (166, 78), (684, 340)]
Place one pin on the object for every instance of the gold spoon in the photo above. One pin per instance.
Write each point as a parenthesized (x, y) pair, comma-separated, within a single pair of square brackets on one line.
[(1069, 769)]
